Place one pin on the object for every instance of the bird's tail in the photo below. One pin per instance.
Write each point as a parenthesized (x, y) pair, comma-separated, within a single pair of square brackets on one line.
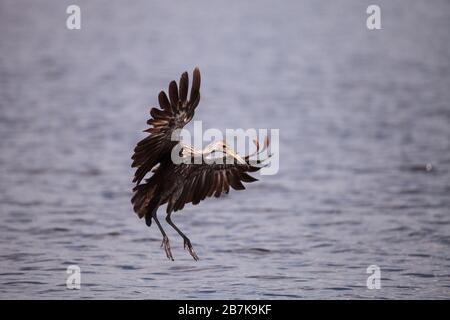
[(145, 200)]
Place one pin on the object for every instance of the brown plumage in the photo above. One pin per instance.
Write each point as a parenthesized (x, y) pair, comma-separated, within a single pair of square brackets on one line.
[(188, 182)]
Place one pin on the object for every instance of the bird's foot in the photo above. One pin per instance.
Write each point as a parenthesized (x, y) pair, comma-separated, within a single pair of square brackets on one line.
[(166, 244), (188, 245)]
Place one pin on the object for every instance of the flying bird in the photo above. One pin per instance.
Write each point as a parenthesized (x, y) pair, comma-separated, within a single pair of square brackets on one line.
[(177, 183)]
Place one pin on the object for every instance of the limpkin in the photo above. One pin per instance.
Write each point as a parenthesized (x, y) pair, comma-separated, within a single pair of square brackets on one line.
[(175, 183)]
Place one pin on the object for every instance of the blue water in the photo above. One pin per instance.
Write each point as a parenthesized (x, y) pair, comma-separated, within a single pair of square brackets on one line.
[(361, 114)]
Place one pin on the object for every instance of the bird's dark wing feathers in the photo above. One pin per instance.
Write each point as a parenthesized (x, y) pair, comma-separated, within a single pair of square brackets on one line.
[(206, 180), (176, 111)]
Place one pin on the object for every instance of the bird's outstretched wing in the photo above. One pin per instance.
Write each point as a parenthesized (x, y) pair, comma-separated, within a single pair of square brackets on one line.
[(176, 111), (205, 180)]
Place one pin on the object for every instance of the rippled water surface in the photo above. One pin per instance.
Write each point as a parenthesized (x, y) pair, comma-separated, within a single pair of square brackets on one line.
[(361, 113)]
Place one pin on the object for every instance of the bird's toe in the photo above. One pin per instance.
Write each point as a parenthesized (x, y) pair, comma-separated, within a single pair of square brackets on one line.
[(166, 244), (188, 245)]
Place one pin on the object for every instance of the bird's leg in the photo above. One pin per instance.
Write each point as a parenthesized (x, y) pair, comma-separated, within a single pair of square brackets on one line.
[(165, 243), (187, 242)]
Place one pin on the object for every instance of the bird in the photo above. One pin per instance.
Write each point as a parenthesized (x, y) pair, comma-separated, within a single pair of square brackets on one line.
[(191, 180)]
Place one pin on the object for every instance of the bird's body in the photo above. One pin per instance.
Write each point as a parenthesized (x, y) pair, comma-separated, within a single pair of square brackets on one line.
[(193, 178)]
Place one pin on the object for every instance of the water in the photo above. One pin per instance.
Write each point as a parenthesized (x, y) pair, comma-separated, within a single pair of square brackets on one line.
[(361, 113)]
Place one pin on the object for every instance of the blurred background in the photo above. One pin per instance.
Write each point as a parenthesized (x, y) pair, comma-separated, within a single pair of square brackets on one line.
[(364, 148)]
